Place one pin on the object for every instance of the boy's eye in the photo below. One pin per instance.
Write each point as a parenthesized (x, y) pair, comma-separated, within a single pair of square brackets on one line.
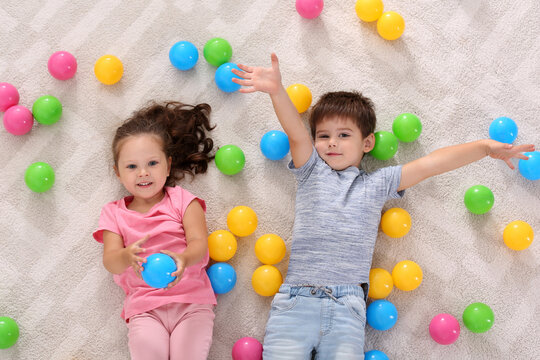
[(344, 135), (131, 166), (153, 163), (323, 136)]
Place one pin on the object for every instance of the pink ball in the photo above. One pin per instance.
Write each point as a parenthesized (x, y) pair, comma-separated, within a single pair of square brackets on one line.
[(309, 9), (9, 96), (18, 120), (247, 348), (62, 65), (444, 329)]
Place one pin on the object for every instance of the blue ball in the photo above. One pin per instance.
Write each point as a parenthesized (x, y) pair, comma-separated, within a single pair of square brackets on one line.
[(183, 55), (504, 130), (275, 145), (224, 77), (375, 355), (222, 277), (381, 315), (158, 269), (530, 169)]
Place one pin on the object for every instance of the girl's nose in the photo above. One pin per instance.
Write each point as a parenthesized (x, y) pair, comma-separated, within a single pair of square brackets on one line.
[(143, 171)]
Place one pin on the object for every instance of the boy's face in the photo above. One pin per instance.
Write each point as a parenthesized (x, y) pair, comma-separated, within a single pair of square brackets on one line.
[(340, 144)]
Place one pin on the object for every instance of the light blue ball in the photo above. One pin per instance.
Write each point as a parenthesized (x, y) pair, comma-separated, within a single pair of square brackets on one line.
[(224, 77), (530, 169), (375, 355), (158, 269), (183, 55), (503, 129), (275, 145), (381, 315), (222, 277)]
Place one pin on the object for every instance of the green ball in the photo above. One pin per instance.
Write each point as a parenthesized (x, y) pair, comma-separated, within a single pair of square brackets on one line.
[(230, 159), (47, 110), (478, 317), (479, 199), (386, 145), (39, 177), (217, 51), (9, 332), (407, 127)]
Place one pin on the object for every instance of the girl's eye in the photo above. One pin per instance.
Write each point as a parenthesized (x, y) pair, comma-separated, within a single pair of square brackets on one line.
[(153, 163), (323, 136), (131, 166)]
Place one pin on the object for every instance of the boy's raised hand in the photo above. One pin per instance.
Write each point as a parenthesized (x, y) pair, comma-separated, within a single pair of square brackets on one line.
[(506, 152), (267, 80)]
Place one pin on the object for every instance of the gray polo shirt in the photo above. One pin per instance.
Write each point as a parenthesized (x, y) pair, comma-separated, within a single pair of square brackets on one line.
[(337, 217)]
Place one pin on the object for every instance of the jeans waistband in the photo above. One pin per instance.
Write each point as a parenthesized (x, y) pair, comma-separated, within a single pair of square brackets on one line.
[(335, 291)]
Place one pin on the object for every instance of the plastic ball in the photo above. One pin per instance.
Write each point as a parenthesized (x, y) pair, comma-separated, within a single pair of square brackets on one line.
[(242, 221), (300, 96), (270, 249), (47, 110), (217, 51), (222, 245), (381, 315), (479, 199), (407, 127), (396, 222), (503, 129), (183, 55), (380, 283), (224, 76), (247, 348), (407, 275), (18, 120), (39, 177), (108, 69), (266, 280), (222, 277), (230, 159), (530, 169), (518, 235), (9, 96), (157, 270), (62, 65), (275, 145), (478, 317), (444, 329), (309, 9), (390, 25), (9, 332), (375, 355), (386, 145), (369, 10)]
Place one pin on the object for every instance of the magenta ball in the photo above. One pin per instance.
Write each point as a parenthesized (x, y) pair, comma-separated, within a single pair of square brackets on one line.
[(444, 329), (247, 348), (62, 65), (309, 9), (18, 120), (9, 96)]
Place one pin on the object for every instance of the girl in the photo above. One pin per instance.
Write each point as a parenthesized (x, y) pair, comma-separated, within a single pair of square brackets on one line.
[(153, 149)]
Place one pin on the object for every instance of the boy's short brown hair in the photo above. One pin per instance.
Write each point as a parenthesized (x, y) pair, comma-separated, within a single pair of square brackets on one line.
[(345, 104)]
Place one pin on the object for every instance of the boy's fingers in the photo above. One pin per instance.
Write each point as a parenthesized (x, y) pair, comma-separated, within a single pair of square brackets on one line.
[(510, 165), (247, 90), (241, 81), (242, 74), (275, 61), (246, 68)]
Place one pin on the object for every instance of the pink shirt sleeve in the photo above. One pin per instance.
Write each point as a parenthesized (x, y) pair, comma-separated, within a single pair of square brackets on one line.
[(182, 198), (107, 221)]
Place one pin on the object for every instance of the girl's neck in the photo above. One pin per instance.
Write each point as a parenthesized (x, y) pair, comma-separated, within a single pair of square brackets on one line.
[(144, 205)]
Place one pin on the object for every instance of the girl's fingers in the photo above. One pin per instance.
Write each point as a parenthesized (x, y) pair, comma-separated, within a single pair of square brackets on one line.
[(509, 163), (522, 156)]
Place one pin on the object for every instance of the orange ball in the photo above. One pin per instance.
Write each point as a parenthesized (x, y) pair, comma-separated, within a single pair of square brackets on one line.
[(222, 245), (266, 280), (242, 221), (407, 275), (270, 249), (380, 283), (518, 235), (396, 222)]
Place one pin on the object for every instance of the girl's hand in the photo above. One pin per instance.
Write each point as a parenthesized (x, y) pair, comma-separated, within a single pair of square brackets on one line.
[(506, 152), (180, 266), (132, 258), (267, 80)]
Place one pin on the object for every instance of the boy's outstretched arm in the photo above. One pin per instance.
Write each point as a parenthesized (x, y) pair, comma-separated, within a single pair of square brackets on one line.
[(453, 157), (268, 80)]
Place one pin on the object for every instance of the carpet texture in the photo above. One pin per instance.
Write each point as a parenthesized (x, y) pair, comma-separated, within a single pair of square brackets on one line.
[(458, 66)]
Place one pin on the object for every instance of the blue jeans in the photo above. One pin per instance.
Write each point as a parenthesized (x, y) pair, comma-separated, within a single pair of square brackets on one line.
[(328, 322)]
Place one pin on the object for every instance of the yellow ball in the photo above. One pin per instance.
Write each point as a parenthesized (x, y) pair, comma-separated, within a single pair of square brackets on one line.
[(518, 235), (221, 245), (369, 10), (270, 249), (242, 221), (380, 283), (390, 25), (266, 280), (108, 69), (407, 275), (396, 222), (300, 96)]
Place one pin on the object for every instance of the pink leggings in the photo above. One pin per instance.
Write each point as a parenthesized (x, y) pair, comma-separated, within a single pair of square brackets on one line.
[(173, 331)]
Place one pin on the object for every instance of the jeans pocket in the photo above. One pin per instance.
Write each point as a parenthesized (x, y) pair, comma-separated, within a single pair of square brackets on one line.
[(356, 306), (283, 302)]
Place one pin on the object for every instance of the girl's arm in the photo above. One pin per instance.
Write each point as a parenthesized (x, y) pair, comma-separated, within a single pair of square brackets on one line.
[(453, 157), (117, 258)]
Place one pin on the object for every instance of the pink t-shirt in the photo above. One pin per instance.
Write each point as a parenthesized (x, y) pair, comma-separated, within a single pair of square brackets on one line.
[(163, 222)]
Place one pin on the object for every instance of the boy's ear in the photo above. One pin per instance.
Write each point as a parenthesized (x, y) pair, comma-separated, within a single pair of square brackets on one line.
[(369, 142)]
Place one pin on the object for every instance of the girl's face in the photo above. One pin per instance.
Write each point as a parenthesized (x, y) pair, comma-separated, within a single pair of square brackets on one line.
[(143, 168)]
